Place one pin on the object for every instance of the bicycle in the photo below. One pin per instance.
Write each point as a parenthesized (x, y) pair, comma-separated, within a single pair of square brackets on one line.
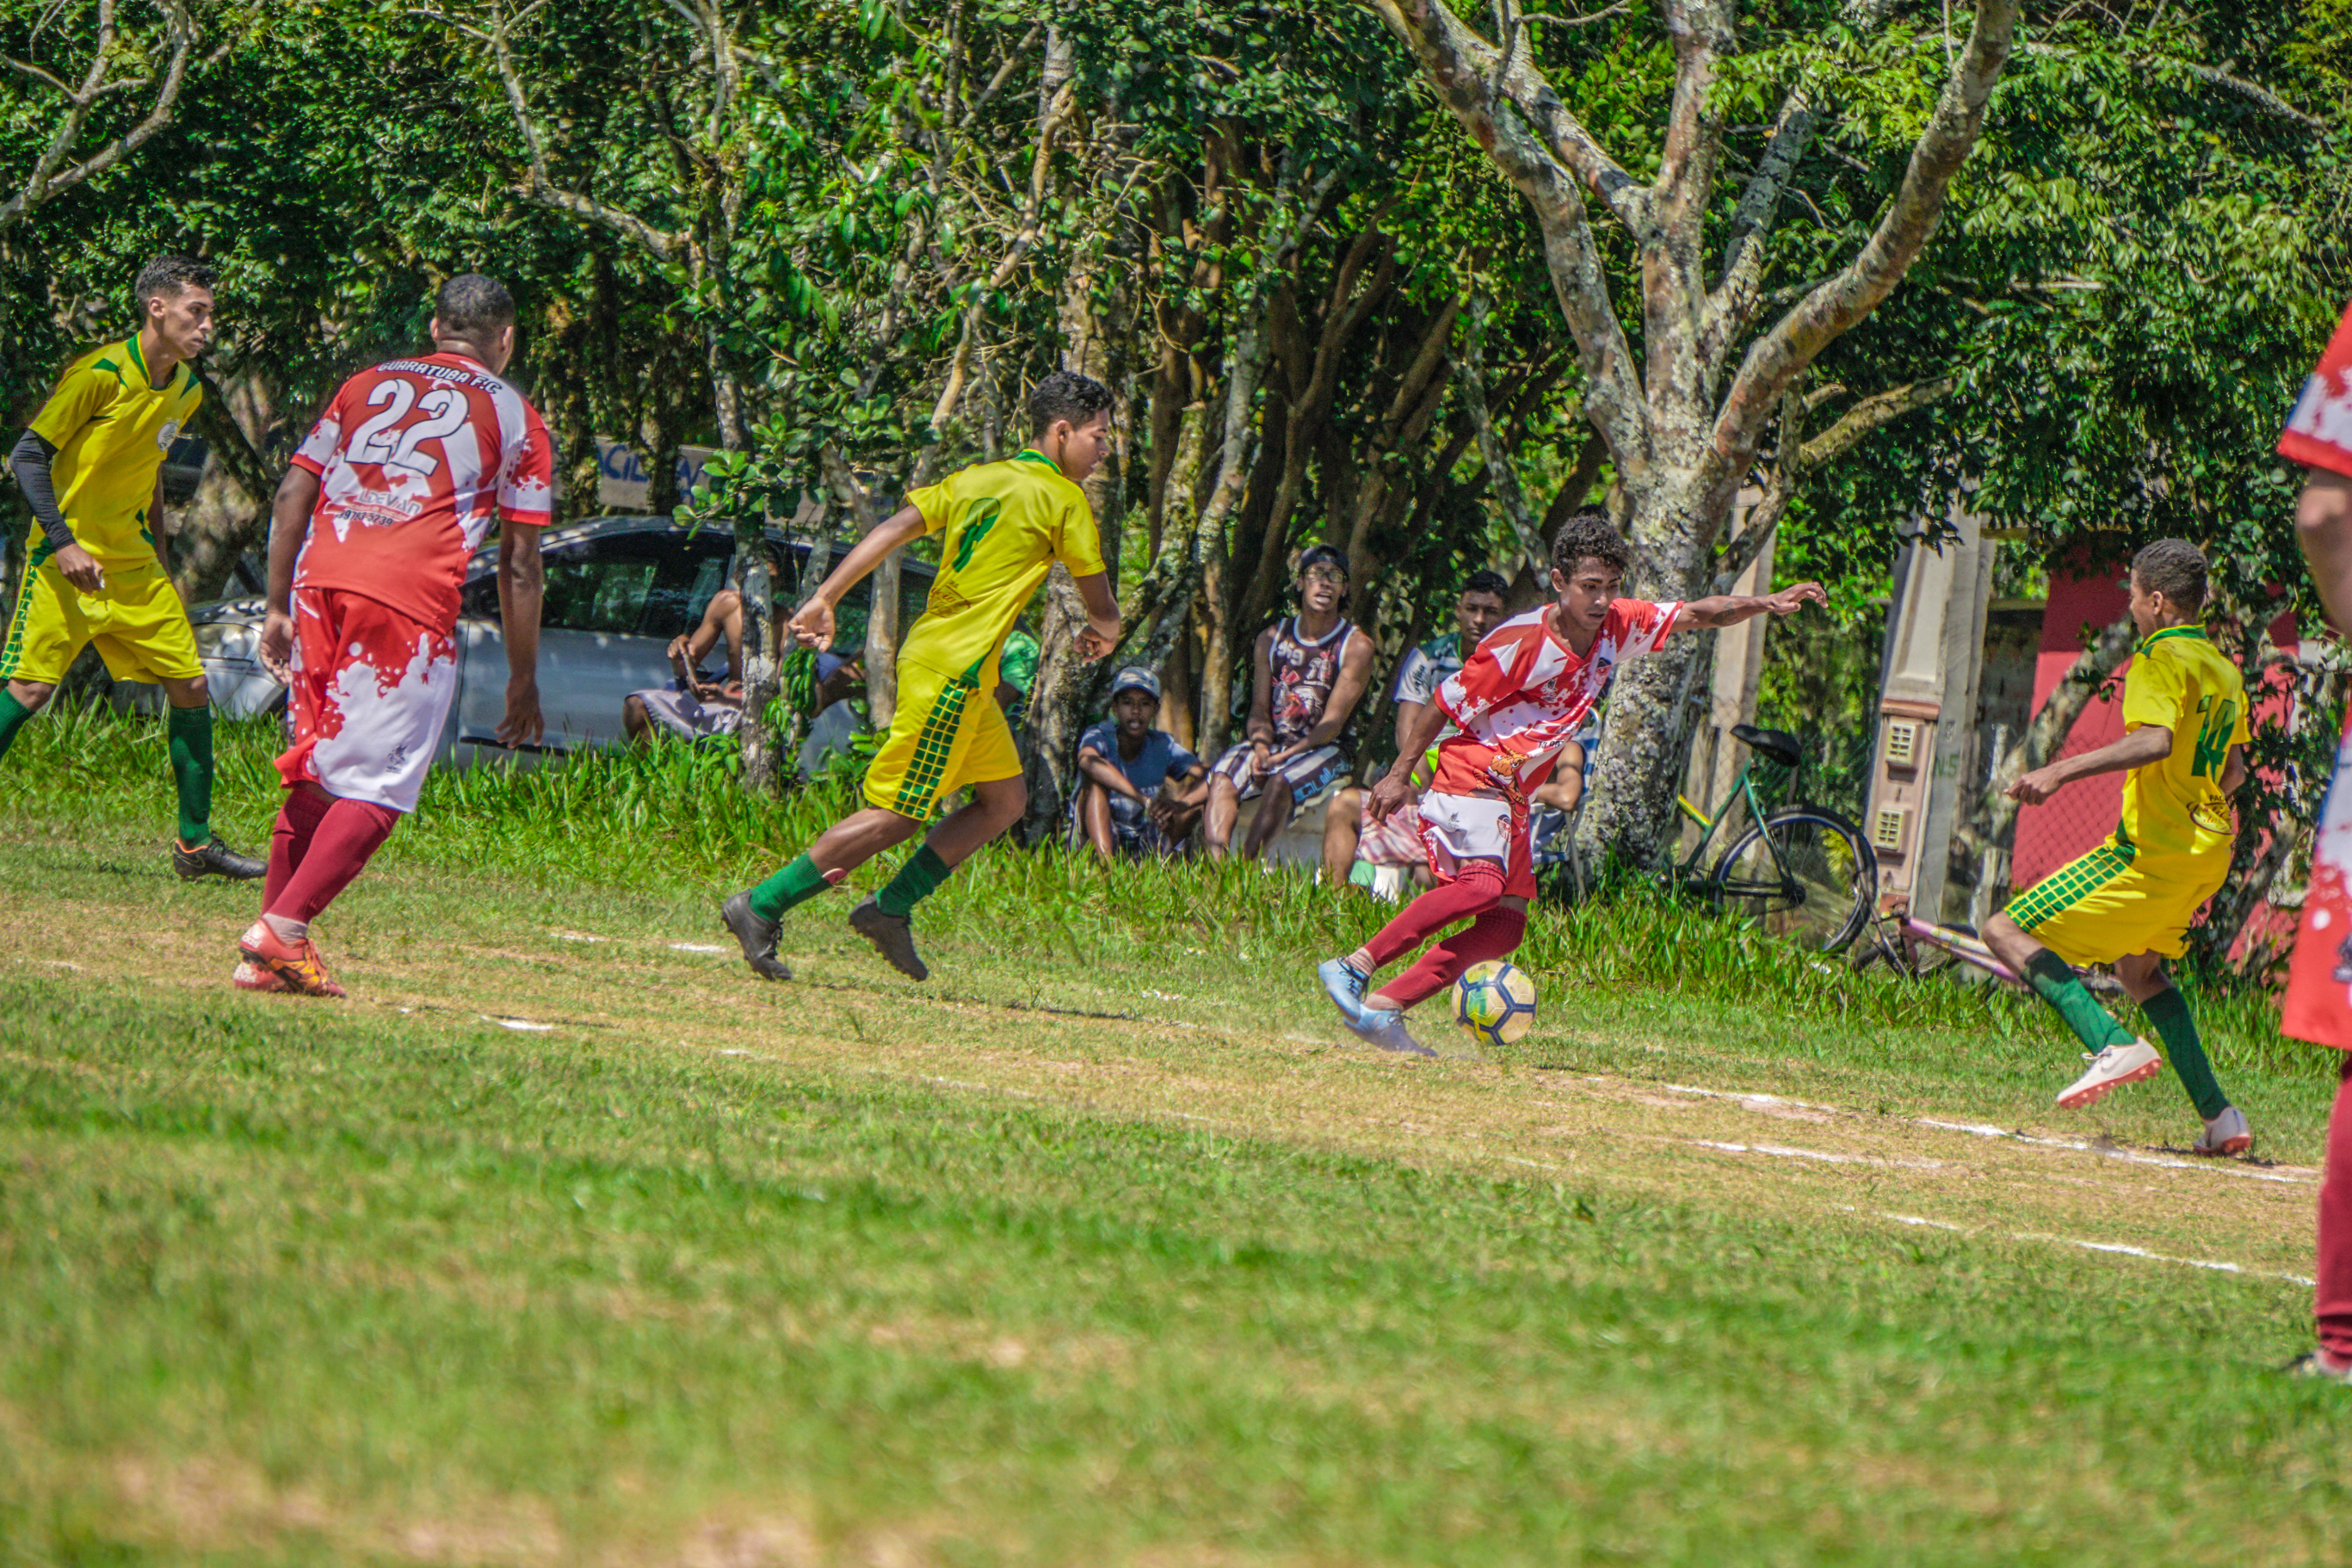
[(1803, 871)]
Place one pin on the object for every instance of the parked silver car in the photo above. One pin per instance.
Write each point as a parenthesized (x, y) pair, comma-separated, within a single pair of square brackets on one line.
[(618, 590)]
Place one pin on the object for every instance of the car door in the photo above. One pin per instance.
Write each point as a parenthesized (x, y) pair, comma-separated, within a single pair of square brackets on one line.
[(614, 601)]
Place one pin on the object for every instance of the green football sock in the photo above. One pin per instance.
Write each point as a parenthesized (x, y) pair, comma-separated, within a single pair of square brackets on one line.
[(2167, 1013), (2055, 983), (13, 715), (192, 767), (795, 885), (916, 881)]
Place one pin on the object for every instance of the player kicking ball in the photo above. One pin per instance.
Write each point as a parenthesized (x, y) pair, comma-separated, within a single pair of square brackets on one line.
[(2128, 902), (386, 501), (1520, 698), (1002, 527), (92, 467)]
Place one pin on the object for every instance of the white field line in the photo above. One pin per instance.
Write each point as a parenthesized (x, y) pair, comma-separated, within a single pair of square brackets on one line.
[(2215, 1265), (1985, 1130), (694, 947), (1782, 1151), (521, 1025)]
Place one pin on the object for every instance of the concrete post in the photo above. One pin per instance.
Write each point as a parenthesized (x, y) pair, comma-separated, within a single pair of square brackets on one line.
[(1928, 714)]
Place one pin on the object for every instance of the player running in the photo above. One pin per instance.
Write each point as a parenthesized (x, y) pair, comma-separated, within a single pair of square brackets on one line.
[(1003, 525), (2319, 980), (386, 501), (1520, 698), (2128, 902), (92, 467)]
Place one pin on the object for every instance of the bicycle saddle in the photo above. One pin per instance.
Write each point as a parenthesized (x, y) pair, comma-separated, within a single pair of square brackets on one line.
[(1773, 745)]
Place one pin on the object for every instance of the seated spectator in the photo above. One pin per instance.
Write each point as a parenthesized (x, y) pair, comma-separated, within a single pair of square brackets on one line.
[(701, 702), (1017, 671), (1353, 844), (697, 703), (1311, 669), (1142, 792)]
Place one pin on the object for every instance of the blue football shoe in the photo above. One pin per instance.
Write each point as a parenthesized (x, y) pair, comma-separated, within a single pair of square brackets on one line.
[(1344, 987), (1385, 1028)]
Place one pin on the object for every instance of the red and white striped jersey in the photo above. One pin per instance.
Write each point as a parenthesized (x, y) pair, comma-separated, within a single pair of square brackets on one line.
[(415, 457), (2319, 432), (1524, 694)]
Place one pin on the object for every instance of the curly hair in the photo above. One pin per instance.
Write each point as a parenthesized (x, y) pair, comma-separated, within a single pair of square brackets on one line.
[(1067, 394), (1590, 535), (168, 276), (2174, 568)]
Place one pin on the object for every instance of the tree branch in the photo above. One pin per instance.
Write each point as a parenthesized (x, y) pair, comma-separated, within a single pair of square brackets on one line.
[(1775, 360), (1537, 147), (537, 188), (1880, 408), (45, 180)]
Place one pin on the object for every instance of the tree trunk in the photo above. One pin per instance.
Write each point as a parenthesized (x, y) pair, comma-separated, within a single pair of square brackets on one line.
[(765, 766)]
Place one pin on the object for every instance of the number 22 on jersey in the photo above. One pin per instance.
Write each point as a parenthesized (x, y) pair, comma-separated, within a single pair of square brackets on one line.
[(386, 439)]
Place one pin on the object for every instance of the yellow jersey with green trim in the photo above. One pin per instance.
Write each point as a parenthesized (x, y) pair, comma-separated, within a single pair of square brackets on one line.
[(1002, 527), (112, 428), (2174, 808)]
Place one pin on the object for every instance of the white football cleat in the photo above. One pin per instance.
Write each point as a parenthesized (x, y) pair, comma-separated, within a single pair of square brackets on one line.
[(2110, 1070), (2225, 1134)]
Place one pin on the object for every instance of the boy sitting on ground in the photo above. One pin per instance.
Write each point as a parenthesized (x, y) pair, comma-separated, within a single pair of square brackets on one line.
[(1143, 791)]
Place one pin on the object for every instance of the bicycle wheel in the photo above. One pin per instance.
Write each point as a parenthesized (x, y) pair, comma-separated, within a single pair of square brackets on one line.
[(1806, 873)]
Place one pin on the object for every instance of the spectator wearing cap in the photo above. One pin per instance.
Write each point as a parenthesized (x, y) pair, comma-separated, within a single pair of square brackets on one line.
[(1143, 792), (700, 702), (1311, 670)]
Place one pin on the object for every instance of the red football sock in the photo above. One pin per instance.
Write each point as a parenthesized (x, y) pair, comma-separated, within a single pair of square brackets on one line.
[(298, 819), (351, 831), (1472, 893), (2331, 1300), (1495, 935)]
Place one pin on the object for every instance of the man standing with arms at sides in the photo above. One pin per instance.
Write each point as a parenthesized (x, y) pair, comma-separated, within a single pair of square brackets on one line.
[(2319, 981), (1003, 526), (1311, 669), (2130, 901), (1349, 834), (92, 467), (386, 501), (1518, 700)]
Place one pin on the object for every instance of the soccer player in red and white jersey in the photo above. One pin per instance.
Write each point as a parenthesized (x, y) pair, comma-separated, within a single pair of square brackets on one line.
[(386, 503), (2319, 978), (1518, 700)]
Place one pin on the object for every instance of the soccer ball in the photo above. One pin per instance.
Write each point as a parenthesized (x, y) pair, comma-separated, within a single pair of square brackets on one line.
[(1496, 1001)]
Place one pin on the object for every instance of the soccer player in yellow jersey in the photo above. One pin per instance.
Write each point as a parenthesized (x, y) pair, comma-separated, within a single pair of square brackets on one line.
[(2128, 902), (1002, 527), (92, 467)]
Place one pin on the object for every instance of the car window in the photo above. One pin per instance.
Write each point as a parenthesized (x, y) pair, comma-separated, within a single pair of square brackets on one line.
[(648, 584)]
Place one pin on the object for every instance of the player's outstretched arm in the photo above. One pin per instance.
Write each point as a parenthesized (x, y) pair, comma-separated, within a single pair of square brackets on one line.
[(289, 524), (1102, 630), (2323, 525), (2148, 744), (522, 582), (1731, 609), (812, 627)]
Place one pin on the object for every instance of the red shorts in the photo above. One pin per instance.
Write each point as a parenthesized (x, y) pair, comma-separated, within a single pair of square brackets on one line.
[(371, 693), (2319, 978)]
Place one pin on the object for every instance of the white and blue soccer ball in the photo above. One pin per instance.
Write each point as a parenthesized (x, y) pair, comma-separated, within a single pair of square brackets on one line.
[(1496, 1001)]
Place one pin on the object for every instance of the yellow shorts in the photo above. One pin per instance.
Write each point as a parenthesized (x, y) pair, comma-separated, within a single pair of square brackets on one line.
[(2106, 905), (137, 620), (949, 733)]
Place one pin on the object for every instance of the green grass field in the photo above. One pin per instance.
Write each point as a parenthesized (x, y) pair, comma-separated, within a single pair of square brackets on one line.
[(564, 1242)]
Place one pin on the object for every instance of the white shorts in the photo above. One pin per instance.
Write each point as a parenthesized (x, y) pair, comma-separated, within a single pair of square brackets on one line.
[(371, 689), (1456, 828)]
